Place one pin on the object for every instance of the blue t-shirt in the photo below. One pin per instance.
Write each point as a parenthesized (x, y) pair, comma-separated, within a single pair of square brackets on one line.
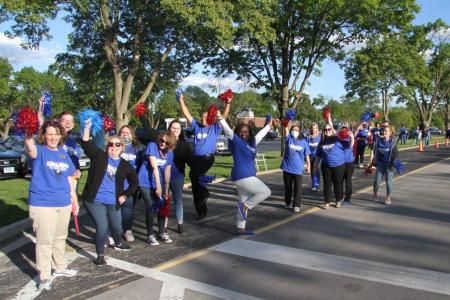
[(146, 178), (130, 154), (294, 155), (49, 185), (376, 134), (71, 146), (205, 138), (107, 192), (244, 156), (313, 142), (331, 151), (402, 131), (348, 151), (175, 173), (383, 151), (362, 137)]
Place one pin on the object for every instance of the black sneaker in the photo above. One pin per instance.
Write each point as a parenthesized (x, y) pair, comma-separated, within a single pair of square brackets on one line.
[(122, 246), (181, 229), (100, 261)]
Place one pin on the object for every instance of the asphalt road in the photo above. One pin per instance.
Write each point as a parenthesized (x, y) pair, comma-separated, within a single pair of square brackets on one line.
[(366, 250)]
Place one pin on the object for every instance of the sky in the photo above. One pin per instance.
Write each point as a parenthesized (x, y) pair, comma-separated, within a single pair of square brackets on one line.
[(330, 83)]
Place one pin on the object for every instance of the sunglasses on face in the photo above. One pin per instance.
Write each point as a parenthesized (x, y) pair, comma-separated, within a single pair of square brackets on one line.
[(163, 141), (327, 129), (117, 144)]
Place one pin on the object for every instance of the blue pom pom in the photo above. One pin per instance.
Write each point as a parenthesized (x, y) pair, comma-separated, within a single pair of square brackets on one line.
[(268, 119), (365, 117), (178, 93), (291, 114), (315, 182), (205, 179), (95, 117), (399, 166), (47, 110)]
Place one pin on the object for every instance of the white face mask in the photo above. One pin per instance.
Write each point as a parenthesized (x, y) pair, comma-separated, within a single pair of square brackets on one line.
[(295, 134), (126, 140)]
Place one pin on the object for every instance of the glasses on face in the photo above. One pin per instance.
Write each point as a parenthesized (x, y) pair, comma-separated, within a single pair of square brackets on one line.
[(163, 141), (112, 144), (327, 129)]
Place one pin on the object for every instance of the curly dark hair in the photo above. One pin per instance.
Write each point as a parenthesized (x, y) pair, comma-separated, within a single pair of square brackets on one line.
[(238, 128)]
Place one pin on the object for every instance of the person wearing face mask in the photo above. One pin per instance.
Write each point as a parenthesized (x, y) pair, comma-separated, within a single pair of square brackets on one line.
[(251, 191), (349, 160), (385, 154), (331, 153), (105, 190), (131, 153), (313, 141), (295, 153), (182, 155), (154, 179), (205, 138)]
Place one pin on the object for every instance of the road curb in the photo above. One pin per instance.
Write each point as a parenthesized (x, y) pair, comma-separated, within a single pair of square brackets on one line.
[(12, 229)]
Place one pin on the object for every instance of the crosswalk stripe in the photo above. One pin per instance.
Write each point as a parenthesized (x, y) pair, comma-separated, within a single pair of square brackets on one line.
[(418, 279)]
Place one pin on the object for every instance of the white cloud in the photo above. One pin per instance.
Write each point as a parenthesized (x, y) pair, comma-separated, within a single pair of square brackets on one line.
[(40, 59), (215, 85)]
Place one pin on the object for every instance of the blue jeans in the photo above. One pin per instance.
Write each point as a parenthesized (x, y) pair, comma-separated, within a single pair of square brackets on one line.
[(106, 218), (149, 197), (127, 209), (176, 187), (403, 139), (383, 170), (315, 177)]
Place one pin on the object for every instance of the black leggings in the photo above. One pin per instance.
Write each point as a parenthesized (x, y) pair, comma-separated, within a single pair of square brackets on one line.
[(289, 179), (348, 173), (360, 154), (200, 165), (332, 175)]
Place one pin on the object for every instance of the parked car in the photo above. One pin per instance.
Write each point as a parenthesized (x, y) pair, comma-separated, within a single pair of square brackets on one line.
[(16, 144), (434, 131), (11, 163), (222, 146), (271, 135), (84, 161)]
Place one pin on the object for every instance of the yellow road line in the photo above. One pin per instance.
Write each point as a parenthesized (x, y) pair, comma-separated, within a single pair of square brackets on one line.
[(199, 253)]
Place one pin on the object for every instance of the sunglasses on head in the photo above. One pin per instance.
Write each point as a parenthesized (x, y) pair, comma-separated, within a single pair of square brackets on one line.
[(117, 144), (164, 141)]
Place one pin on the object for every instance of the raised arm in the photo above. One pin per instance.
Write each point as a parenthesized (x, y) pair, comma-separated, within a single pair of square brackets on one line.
[(330, 122), (30, 146), (226, 128), (185, 110), (226, 110), (262, 133), (40, 111), (88, 147)]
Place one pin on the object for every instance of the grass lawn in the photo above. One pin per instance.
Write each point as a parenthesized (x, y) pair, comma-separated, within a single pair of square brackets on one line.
[(14, 192)]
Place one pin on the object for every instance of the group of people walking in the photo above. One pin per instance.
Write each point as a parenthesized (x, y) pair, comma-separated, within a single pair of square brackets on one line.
[(122, 169)]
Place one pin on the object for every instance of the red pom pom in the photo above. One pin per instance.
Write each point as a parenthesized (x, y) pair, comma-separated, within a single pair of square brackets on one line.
[(212, 114), (326, 112), (27, 121), (141, 109), (368, 171), (370, 139), (165, 210), (343, 134), (376, 115), (226, 96), (108, 124), (285, 122)]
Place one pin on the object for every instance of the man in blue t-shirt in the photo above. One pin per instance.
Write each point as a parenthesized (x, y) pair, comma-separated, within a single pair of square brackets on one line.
[(403, 135), (205, 138)]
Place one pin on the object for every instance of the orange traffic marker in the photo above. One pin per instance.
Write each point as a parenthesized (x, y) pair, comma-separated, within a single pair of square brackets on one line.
[(421, 147), (446, 142)]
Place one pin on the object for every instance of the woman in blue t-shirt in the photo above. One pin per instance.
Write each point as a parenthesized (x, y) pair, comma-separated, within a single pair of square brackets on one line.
[(349, 160), (295, 153), (106, 190), (205, 139), (361, 137), (313, 141), (132, 154), (385, 154), (51, 199), (251, 191), (331, 153), (154, 179)]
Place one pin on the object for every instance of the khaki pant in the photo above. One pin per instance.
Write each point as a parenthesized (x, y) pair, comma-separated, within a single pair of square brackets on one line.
[(51, 227)]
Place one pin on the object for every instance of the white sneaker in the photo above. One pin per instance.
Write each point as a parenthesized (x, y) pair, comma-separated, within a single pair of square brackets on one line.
[(45, 285), (152, 240), (111, 241), (128, 236), (296, 209), (361, 166), (166, 239), (65, 273)]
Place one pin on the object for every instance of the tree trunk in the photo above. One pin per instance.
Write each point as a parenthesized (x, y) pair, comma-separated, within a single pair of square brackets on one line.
[(4, 129)]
